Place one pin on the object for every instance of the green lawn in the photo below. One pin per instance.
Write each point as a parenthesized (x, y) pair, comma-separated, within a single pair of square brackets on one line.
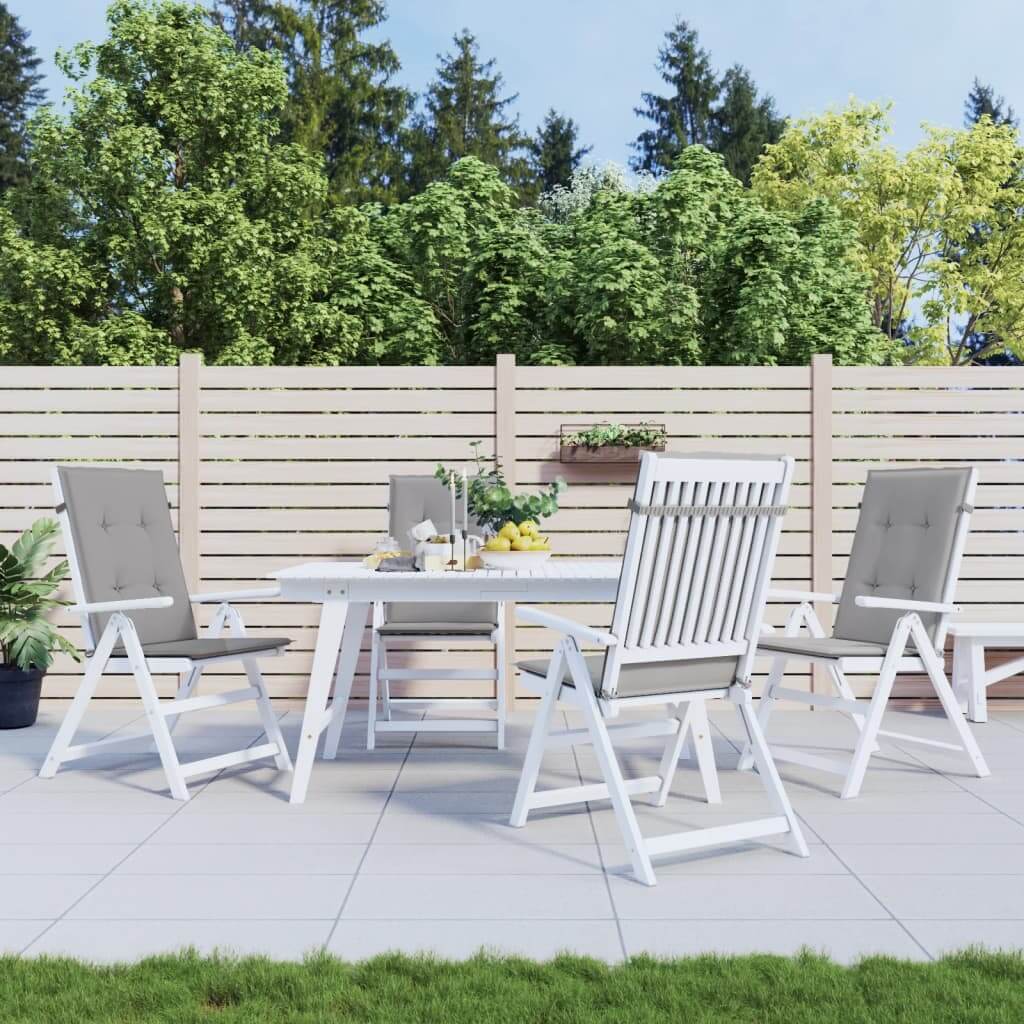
[(971, 986)]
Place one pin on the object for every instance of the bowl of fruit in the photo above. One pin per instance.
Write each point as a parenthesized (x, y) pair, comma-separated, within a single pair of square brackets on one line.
[(516, 547)]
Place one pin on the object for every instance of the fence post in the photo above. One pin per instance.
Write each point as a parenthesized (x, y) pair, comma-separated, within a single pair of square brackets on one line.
[(821, 497), (189, 366), (505, 450)]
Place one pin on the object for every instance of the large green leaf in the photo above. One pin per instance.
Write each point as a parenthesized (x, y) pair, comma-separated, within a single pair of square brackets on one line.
[(35, 544)]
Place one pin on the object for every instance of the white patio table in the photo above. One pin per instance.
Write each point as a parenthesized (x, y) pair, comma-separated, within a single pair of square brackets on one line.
[(346, 591)]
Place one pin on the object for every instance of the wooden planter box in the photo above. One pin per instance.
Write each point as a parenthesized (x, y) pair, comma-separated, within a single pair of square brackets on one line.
[(607, 453)]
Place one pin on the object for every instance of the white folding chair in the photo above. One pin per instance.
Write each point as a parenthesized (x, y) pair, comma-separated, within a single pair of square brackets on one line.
[(892, 617), (412, 500), (137, 619), (702, 538)]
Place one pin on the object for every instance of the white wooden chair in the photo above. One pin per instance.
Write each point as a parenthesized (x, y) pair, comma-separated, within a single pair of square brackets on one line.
[(892, 617), (702, 538), (137, 619), (412, 500)]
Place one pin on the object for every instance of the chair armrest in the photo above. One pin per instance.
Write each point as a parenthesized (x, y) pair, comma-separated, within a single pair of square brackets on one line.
[(258, 594), (906, 605), (562, 625), (802, 595), (129, 605)]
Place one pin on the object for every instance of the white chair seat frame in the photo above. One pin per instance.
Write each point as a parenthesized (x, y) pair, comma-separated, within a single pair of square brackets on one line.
[(688, 591), (382, 675), (161, 717)]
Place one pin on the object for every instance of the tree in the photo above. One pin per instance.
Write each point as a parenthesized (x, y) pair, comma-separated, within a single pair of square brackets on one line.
[(743, 123), (982, 101), (554, 151), (685, 117), (164, 216), (465, 115), (20, 91), (343, 103), (937, 231)]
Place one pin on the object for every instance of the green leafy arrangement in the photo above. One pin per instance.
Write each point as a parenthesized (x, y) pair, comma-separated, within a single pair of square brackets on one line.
[(491, 501), (27, 640), (604, 435)]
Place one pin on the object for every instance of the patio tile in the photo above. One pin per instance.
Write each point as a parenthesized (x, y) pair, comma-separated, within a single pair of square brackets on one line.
[(16, 935), (327, 777), (768, 858), (120, 800), (459, 897), (913, 828), (452, 801), (298, 827), (948, 896), (11, 779), (742, 897), (483, 859), (942, 937), (483, 828), (79, 828), (126, 941), (211, 897), (61, 858), (843, 941), (245, 859), (1011, 804), (932, 858), (215, 800), (30, 897), (458, 940)]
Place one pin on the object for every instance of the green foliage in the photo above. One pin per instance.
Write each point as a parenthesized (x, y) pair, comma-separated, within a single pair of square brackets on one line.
[(27, 640), (603, 435), (554, 153), (20, 91), (490, 499), (982, 101), (726, 115)]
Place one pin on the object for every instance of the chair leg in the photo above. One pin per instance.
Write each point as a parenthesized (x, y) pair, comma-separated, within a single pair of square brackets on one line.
[(705, 751), (377, 661), (936, 672), (501, 682), (764, 712), (384, 685), (767, 771), (610, 770), (271, 725), (75, 713), (673, 752), (538, 740)]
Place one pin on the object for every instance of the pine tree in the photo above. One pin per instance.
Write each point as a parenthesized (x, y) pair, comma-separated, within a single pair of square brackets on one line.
[(344, 104), (20, 91), (982, 100), (465, 115), (554, 151), (725, 114), (743, 123)]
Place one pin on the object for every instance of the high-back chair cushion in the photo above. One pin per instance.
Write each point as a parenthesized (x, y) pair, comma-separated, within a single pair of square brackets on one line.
[(413, 499), (903, 546), (125, 547)]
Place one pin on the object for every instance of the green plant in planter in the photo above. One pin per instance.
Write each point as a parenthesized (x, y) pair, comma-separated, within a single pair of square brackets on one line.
[(491, 501), (605, 435), (27, 640)]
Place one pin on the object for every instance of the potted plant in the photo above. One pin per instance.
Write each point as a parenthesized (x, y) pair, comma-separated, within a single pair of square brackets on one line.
[(27, 639), (610, 442), (491, 501)]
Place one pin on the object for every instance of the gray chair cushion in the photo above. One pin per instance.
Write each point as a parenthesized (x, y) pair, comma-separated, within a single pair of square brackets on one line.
[(437, 628), (665, 677), (413, 499), (902, 547), (827, 647), (125, 545), (214, 647)]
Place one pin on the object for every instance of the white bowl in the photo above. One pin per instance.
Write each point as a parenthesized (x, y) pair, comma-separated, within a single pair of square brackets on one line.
[(514, 559)]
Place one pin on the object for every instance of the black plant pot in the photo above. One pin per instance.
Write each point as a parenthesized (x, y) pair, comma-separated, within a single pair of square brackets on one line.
[(19, 697)]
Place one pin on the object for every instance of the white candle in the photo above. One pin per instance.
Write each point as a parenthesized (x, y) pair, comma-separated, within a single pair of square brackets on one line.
[(451, 487), (465, 502)]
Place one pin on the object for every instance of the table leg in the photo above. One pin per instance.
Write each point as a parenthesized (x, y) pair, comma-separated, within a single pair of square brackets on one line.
[(351, 644), (961, 678), (314, 718), (977, 702)]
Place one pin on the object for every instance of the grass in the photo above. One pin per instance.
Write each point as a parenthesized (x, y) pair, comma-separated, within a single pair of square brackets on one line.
[(973, 986)]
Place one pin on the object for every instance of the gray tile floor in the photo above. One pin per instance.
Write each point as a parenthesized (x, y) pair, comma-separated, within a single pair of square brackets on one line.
[(408, 848)]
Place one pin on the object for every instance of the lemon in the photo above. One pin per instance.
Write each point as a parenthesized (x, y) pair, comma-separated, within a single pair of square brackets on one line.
[(529, 528), (539, 544), (498, 544), (522, 544), (509, 530)]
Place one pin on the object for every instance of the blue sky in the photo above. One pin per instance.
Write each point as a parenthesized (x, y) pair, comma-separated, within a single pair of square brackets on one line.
[(593, 58)]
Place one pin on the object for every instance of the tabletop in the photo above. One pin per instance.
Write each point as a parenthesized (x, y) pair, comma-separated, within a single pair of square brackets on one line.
[(988, 630)]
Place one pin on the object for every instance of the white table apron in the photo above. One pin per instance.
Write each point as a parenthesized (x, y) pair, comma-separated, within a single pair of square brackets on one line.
[(346, 590)]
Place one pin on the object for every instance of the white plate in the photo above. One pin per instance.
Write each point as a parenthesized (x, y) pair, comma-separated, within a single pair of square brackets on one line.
[(514, 559)]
